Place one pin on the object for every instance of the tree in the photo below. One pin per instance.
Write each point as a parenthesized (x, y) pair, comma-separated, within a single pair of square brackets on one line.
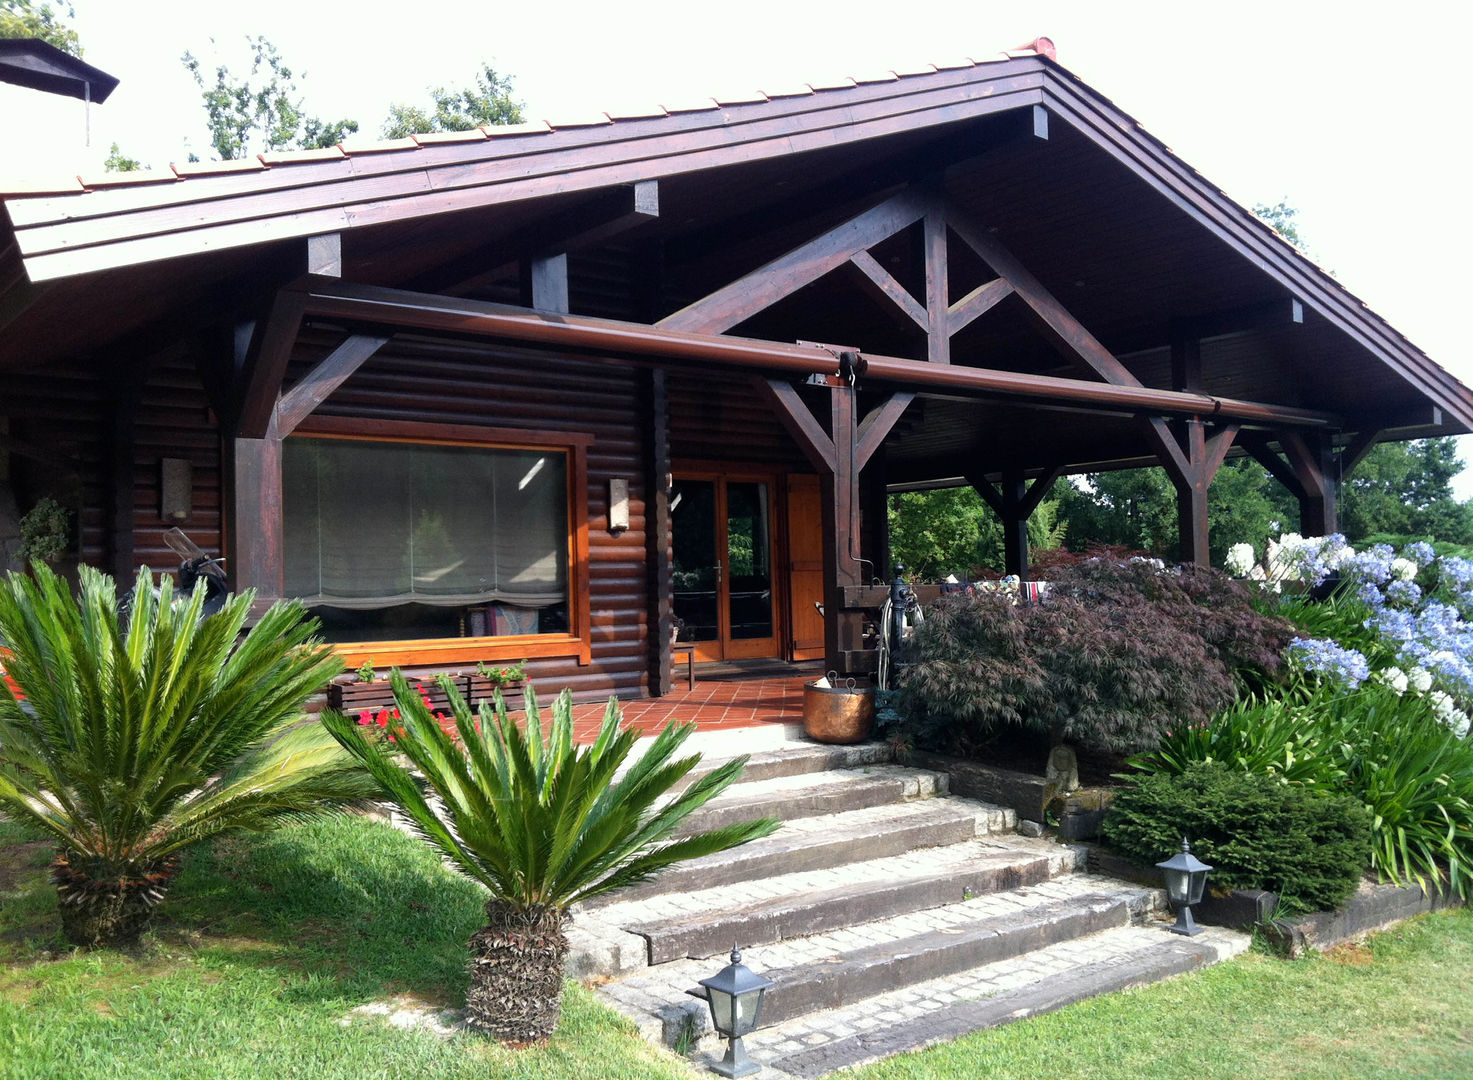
[(951, 530), (27, 19), (542, 823), (1280, 217), (1406, 489), (489, 102), (263, 111), (141, 734), (117, 161)]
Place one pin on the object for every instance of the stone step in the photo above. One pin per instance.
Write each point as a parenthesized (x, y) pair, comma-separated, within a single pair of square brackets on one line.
[(947, 1008), (821, 843), (807, 795), (801, 760), (840, 967), (706, 923)]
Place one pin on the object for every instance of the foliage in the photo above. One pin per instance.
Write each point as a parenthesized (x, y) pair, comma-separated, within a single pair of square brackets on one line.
[(1280, 217), (1254, 830), (489, 102), (263, 111), (140, 737), (1406, 488), (117, 161), (951, 530), (1114, 654), (45, 531), (365, 672), (502, 676), (28, 19), (542, 824), (1389, 750)]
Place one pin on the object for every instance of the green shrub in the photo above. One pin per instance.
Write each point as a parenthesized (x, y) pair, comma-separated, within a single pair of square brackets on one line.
[(1389, 751), (1257, 832)]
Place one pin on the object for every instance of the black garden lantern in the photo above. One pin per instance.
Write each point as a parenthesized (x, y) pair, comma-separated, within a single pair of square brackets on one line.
[(1186, 877), (735, 995)]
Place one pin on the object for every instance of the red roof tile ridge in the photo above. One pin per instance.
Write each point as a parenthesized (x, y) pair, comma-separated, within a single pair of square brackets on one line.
[(131, 178)]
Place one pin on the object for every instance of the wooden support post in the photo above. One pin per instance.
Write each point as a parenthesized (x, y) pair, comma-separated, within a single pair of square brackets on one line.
[(1191, 464), (1014, 524), (841, 535), (875, 513), (1014, 502), (1312, 458), (659, 558), (122, 485), (256, 497), (545, 282)]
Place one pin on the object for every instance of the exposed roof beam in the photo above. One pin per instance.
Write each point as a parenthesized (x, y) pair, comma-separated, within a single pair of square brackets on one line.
[(609, 338), (597, 220)]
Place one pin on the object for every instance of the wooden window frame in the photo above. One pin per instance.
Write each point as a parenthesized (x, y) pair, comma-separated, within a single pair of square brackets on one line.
[(577, 642)]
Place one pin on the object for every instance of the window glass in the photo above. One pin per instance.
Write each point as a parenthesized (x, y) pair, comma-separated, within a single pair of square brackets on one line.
[(397, 540)]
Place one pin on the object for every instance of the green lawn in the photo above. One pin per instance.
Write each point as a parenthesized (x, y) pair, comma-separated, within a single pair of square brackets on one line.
[(270, 941)]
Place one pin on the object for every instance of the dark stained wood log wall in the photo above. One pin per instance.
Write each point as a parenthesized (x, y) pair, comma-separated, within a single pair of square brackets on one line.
[(453, 383)]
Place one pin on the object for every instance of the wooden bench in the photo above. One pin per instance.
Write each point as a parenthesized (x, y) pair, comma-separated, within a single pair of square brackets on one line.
[(689, 652)]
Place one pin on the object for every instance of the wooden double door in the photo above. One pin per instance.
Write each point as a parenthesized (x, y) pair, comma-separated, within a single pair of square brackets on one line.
[(743, 560)]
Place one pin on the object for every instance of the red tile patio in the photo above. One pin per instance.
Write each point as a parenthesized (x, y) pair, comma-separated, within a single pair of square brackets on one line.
[(716, 704)]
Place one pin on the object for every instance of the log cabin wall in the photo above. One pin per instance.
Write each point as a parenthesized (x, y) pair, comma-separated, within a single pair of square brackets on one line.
[(721, 418), (449, 382)]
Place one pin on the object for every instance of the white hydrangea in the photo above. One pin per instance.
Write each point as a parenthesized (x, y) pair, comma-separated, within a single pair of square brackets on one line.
[(1395, 678), (1240, 560), (1420, 679), (1403, 569)]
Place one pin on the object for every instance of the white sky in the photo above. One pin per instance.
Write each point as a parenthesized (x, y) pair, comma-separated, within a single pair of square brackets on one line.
[(1356, 113)]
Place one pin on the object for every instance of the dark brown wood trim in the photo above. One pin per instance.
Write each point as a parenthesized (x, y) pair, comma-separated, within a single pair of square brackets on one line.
[(1256, 445), (266, 364), (893, 295), (319, 384), (1038, 490), (1356, 450), (801, 424), (658, 556), (977, 303), (1058, 325), (353, 427), (877, 424), (938, 300), (763, 287)]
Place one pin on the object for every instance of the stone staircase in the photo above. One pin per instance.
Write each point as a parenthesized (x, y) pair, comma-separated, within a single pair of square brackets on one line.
[(890, 915)]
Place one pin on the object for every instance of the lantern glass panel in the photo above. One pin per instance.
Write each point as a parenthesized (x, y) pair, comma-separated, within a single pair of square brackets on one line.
[(1178, 886), (722, 1011), (1198, 884)]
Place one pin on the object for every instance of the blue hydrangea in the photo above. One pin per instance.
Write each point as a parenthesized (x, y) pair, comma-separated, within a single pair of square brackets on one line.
[(1372, 565)]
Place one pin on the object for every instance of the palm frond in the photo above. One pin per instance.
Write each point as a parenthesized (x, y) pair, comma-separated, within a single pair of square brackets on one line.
[(534, 817)]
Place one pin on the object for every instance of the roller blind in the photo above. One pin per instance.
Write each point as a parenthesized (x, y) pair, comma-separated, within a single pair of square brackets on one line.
[(374, 525)]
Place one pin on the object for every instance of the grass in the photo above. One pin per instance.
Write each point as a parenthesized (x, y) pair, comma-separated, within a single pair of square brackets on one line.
[(269, 942)]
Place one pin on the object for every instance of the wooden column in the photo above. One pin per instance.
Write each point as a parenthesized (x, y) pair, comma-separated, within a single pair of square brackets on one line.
[(1312, 457), (1014, 502), (1191, 462), (875, 513), (658, 556), (257, 562), (839, 455), (841, 536)]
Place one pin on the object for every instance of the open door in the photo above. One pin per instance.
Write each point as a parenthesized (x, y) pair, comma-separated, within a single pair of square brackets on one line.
[(805, 568), (722, 541)]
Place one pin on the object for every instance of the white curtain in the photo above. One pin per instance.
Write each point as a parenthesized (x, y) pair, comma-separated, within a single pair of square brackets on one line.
[(374, 525)]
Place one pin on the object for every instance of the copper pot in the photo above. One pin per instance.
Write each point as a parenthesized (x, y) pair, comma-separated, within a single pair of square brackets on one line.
[(838, 714)]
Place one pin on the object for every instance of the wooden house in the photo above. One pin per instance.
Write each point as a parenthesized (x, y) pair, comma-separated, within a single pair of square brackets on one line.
[(569, 390)]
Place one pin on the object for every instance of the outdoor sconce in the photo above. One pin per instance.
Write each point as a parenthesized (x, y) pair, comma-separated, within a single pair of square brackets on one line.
[(1186, 877), (618, 505), (176, 489), (735, 995)]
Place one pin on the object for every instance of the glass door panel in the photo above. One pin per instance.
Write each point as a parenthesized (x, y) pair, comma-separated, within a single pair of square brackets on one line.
[(748, 557), (721, 541), (696, 570)]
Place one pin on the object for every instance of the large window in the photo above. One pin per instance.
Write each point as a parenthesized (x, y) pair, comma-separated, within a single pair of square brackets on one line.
[(421, 542)]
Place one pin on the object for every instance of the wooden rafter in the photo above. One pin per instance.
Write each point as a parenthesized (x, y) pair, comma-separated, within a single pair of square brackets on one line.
[(882, 285), (740, 300), (266, 364), (938, 299), (318, 384)]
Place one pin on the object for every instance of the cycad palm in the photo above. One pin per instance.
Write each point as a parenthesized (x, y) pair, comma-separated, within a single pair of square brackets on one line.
[(543, 824), (139, 736)]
